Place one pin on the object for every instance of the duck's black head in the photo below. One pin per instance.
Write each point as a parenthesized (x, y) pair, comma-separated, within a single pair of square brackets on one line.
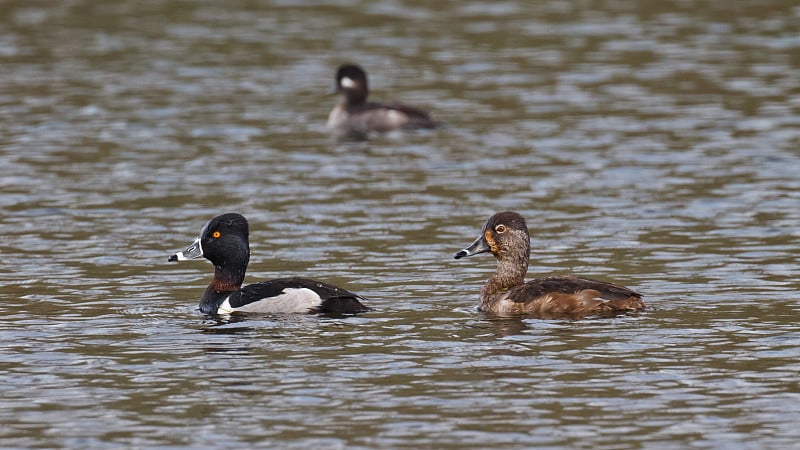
[(224, 241), (352, 81), (504, 234)]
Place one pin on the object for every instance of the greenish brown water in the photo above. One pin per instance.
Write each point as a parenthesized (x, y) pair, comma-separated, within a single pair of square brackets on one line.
[(653, 144)]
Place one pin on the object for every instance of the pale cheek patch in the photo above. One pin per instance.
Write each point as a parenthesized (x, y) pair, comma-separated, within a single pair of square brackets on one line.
[(487, 235), (347, 83)]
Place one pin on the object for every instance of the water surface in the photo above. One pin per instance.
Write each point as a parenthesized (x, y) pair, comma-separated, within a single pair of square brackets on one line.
[(652, 145)]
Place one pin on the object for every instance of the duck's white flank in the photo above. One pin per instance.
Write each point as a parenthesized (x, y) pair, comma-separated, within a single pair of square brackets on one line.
[(291, 300)]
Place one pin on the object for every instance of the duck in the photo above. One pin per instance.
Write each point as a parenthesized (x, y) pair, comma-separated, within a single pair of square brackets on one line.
[(224, 240), (353, 115), (505, 235)]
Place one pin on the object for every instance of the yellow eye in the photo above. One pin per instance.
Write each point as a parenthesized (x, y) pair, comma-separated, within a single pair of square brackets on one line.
[(216, 234), (500, 228)]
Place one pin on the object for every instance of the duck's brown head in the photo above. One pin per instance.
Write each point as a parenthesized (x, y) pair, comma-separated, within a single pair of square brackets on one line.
[(505, 235)]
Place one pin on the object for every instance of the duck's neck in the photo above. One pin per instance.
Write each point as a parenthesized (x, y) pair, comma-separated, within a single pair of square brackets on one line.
[(228, 278), (355, 98), (511, 270)]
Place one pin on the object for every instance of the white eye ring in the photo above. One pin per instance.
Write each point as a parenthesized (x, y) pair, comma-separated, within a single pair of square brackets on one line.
[(500, 228)]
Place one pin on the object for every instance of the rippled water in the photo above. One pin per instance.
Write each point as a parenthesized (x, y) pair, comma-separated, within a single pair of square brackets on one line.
[(653, 144)]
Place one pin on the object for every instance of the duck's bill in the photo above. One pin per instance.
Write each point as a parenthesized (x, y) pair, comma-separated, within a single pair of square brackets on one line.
[(193, 251), (479, 246)]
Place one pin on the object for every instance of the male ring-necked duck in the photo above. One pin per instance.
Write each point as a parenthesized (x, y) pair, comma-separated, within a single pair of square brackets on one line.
[(353, 115), (506, 236), (224, 241)]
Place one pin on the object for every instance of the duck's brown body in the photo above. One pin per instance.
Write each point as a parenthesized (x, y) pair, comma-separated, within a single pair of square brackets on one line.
[(506, 236), (560, 296)]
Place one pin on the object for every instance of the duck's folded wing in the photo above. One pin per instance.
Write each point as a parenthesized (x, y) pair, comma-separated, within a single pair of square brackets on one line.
[(575, 295), (417, 118), (382, 117), (295, 295), (574, 285)]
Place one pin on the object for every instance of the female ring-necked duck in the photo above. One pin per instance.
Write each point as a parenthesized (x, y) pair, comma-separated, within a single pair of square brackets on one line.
[(506, 236), (353, 115), (224, 241)]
